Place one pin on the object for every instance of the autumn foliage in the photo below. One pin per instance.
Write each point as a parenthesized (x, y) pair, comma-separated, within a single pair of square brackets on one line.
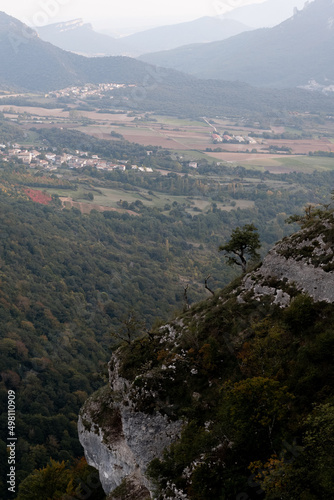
[(38, 196)]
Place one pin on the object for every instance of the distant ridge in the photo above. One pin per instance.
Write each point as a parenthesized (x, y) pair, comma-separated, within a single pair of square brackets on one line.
[(81, 38), (202, 30), (28, 63), (265, 14), (291, 54)]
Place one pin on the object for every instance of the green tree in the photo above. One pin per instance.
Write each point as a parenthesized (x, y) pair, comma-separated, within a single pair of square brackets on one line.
[(62, 481), (244, 243), (303, 472), (252, 412)]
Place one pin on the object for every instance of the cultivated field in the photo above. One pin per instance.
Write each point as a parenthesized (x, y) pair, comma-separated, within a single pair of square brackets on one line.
[(192, 139), (108, 199)]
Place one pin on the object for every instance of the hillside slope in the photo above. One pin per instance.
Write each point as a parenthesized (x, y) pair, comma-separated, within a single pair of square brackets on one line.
[(67, 281), (80, 37), (288, 55), (77, 36), (202, 30), (240, 388), (265, 14), (26, 62)]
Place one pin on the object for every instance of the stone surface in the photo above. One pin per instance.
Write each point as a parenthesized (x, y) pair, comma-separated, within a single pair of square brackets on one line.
[(303, 262), (302, 275), (114, 462), (139, 439), (306, 277)]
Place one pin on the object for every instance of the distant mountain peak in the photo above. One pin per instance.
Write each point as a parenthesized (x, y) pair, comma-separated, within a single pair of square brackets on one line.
[(268, 13), (9, 24), (71, 25), (289, 54), (80, 37)]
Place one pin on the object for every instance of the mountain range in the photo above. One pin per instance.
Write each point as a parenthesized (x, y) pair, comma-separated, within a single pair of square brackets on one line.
[(203, 30), (77, 36), (80, 37), (28, 63), (265, 14), (291, 54)]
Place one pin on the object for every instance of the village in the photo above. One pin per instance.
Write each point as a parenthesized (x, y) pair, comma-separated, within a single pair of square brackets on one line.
[(51, 161), (87, 90)]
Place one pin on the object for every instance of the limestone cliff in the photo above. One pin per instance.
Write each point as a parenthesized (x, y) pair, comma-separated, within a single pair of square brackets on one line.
[(305, 261), (183, 383), (121, 441)]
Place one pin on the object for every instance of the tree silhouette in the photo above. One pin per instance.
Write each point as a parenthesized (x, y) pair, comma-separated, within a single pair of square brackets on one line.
[(244, 243)]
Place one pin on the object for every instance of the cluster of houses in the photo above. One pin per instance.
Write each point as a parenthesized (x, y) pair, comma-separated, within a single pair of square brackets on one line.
[(27, 157), (232, 138), (81, 160), (52, 161), (87, 90)]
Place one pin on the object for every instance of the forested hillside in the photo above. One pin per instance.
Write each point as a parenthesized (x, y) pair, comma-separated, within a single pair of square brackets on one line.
[(74, 285), (248, 376), (68, 284)]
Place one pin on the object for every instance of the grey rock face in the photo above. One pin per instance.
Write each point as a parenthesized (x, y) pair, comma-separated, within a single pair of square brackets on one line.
[(120, 441), (303, 261), (306, 277), (114, 462)]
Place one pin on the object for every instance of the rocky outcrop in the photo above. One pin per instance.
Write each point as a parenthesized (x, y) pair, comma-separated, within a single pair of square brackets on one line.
[(159, 379), (301, 263), (119, 440)]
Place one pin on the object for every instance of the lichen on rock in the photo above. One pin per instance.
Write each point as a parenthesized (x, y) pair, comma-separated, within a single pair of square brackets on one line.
[(304, 262), (119, 440)]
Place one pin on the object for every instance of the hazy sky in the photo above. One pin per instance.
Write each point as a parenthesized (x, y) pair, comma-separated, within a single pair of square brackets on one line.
[(110, 13)]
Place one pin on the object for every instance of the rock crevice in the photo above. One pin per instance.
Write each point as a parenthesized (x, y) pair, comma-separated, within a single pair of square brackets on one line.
[(122, 451)]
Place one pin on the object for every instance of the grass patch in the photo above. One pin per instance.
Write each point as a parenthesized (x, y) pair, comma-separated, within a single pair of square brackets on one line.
[(190, 154), (179, 122), (302, 163)]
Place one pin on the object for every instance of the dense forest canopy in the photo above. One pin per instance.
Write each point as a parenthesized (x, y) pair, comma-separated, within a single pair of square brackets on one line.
[(70, 281)]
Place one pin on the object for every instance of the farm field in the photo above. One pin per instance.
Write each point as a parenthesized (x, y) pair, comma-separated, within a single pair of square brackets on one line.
[(196, 139), (87, 207), (191, 140), (276, 164), (108, 199), (36, 112), (155, 134)]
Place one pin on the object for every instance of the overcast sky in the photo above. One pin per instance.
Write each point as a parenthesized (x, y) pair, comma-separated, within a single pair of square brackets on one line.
[(121, 17), (107, 13)]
